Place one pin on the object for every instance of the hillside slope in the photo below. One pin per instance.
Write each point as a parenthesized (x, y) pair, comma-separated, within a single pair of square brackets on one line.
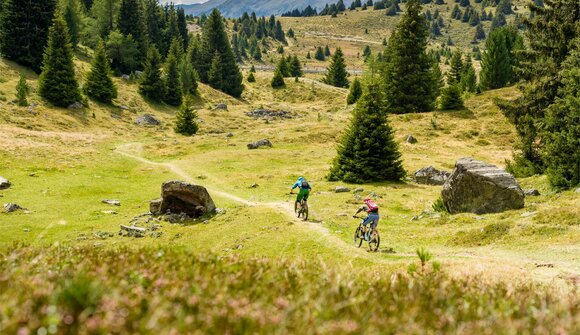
[(235, 8)]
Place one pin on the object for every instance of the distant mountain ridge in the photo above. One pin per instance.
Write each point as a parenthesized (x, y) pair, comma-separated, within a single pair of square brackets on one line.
[(235, 8)]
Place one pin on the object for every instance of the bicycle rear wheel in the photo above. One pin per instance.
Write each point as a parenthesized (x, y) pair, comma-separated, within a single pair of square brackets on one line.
[(375, 241), (358, 237), (305, 211)]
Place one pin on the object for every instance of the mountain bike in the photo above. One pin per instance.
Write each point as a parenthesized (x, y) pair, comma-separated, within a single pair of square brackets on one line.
[(302, 210), (360, 235)]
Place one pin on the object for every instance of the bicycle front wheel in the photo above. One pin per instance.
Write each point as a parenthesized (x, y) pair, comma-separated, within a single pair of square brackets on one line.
[(358, 237)]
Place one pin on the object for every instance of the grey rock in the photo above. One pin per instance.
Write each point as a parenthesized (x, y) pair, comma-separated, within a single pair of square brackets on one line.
[(254, 185), (410, 139), (125, 108), (531, 192), (222, 107), (269, 114), (178, 197), (76, 105), (259, 144), (138, 74), (126, 77), (358, 190), (577, 190), (147, 120), (228, 135), (431, 176), (10, 208), (4, 184), (341, 189), (155, 206), (112, 202), (478, 187)]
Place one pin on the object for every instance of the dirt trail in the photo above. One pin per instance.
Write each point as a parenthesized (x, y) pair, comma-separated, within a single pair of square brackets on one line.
[(135, 151), (475, 263)]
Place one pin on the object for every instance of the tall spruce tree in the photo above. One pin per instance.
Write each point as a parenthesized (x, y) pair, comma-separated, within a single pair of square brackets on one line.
[(496, 66), (319, 55), (174, 95), (99, 85), (215, 40), (468, 81), (368, 151), (22, 91), (295, 67), (456, 68), (451, 97), (409, 78), (57, 83), (152, 85), (154, 19), (131, 22), (278, 79), (72, 14), (336, 74), (216, 72), (562, 127), (550, 34), (185, 123), (105, 13), (24, 29), (355, 92)]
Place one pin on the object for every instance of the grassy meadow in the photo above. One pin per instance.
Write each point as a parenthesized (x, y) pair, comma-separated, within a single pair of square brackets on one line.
[(254, 268)]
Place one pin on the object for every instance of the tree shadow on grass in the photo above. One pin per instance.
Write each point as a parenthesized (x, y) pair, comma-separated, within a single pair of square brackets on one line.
[(464, 113)]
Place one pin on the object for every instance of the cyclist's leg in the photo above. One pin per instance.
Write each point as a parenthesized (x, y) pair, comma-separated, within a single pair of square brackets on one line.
[(298, 200)]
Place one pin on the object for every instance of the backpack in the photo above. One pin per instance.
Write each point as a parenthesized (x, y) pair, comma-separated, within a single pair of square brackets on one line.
[(371, 205), (305, 185)]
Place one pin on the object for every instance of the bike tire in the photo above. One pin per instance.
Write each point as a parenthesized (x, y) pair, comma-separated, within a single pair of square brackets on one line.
[(358, 239), (375, 242), (305, 211)]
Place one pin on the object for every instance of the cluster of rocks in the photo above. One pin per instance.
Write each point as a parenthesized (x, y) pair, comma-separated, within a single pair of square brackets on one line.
[(478, 187), (11, 208), (410, 139), (269, 114), (259, 144), (147, 120), (431, 176)]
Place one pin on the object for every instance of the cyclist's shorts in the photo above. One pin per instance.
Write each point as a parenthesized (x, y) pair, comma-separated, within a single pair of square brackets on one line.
[(303, 194)]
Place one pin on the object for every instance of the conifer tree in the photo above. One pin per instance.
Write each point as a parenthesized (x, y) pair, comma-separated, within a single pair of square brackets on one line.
[(468, 82), (105, 12), (216, 72), (479, 32), (327, 52), (308, 56), (367, 151), (72, 15), (295, 67), (99, 85), (336, 74), (278, 79), (451, 97), (562, 127), (185, 123), (123, 52), (496, 68), (188, 76), (152, 85), (131, 22), (182, 27), (355, 92), (456, 68), (319, 55), (24, 29), (174, 95), (251, 78), (22, 90), (542, 66), (154, 21), (57, 83), (283, 67), (253, 69), (215, 40), (408, 77)]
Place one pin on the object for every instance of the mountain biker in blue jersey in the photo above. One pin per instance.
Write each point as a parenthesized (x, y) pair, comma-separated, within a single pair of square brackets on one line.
[(304, 192), (372, 218)]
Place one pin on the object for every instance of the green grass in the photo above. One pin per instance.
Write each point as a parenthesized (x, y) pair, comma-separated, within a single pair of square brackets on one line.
[(166, 290)]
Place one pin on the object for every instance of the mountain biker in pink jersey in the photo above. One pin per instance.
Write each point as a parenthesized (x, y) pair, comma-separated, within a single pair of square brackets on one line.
[(372, 218)]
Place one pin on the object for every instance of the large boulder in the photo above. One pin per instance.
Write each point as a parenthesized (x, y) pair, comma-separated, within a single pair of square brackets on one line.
[(178, 197), (480, 188), (4, 183), (431, 176)]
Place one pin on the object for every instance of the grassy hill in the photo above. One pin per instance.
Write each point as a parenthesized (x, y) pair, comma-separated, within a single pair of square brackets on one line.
[(255, 268)]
